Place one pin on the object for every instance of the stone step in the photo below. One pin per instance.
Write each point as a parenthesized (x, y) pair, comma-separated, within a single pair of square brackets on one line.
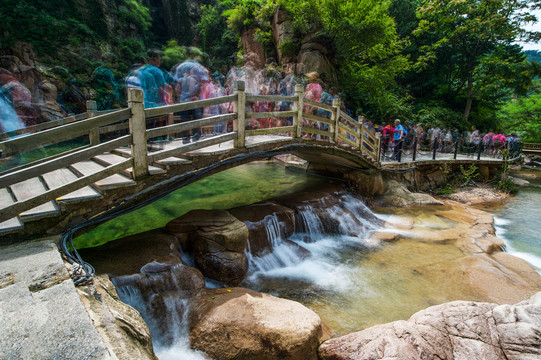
[(63, 176), (90, 167), (13, 224), (107, 159), (28, 189)]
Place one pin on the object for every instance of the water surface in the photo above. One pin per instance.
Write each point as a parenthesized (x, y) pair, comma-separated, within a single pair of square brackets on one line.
[(242, 185), (518, 222)]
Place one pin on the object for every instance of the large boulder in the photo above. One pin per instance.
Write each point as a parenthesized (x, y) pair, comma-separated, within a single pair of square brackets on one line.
[(243, 324), (217, 240), (456, 330), (367, 183), (315, 61), (397, 195), (121, 327), (254, 53), (266, 222), (282, 30)]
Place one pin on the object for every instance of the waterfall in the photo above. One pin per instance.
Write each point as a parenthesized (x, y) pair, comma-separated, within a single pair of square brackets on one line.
[(281, 253), (312, 255), (170, 338)]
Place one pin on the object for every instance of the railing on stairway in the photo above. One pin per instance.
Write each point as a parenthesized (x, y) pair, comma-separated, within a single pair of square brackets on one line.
[(335, 127)]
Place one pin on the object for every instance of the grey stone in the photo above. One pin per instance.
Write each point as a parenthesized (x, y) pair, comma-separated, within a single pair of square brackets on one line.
[(41, 314)]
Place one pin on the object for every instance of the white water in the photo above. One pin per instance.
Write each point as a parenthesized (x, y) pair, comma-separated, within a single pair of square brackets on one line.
[(500, 224), (177, 316), (312, 257)]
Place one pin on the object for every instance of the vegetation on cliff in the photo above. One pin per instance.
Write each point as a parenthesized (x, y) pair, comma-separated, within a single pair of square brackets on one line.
[(452, 64)]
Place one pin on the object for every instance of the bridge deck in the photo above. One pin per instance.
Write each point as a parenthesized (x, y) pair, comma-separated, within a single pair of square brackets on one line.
[(120, 162), (39, 185)]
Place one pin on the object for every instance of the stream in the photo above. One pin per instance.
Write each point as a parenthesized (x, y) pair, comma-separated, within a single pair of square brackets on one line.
[(349, 281)]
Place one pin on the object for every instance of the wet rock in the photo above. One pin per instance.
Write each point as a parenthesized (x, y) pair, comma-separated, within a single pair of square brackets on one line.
[(367, 183), (169, 278), (456, 330), (130, 254), (243, 324), (121, 327), (500, 277), (398, 195), (218, 240), (265, 221)]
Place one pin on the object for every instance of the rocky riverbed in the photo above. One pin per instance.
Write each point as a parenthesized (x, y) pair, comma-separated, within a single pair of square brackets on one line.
[(233, 322)]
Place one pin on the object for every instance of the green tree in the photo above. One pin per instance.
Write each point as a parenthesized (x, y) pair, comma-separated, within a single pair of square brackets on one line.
[(219, 41), (173, 53), (523, 115), (474, 35)]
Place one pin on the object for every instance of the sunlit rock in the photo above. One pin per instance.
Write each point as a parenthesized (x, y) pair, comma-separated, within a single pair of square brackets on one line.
[(456, 330), (243, 324), (120, 326)]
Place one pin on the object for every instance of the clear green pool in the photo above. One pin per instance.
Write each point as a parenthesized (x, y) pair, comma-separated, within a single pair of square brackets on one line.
[(242, 185)]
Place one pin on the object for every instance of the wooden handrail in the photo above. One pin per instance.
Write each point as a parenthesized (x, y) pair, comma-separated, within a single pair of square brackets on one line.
[(63, 161), (318, 105), (168, 109), (134, 117), (271, 98), (189, 125), (60, 133)]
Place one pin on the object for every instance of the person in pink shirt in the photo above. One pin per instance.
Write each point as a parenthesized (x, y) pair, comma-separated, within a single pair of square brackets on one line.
[(313, 92), (499, 143)]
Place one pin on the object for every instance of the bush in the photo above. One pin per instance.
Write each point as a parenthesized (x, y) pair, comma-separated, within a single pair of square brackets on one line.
[(507, 186), (290, 48)]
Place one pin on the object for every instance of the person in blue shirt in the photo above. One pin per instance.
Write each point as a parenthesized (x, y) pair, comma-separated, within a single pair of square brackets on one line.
[(399, 135)]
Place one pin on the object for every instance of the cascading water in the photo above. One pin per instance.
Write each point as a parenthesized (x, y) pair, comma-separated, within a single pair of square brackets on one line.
[(169, 328), (313, 255)]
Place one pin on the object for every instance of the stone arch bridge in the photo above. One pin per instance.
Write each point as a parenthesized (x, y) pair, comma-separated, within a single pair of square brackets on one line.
[(132, 155)]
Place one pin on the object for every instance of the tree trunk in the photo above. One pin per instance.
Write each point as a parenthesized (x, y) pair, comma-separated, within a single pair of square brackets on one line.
[(470, 96)]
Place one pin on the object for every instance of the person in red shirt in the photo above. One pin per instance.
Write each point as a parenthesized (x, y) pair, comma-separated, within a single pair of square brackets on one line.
[(388, 137)]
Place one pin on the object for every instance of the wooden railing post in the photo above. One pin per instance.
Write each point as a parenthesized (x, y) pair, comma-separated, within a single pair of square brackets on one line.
[(138, 131), (91, 111), (297, 120), (335, 116), (378, 152), (239, 107), (361, 133)]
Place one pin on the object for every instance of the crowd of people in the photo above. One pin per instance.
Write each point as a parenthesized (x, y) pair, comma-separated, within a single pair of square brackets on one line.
[(191, 81), (396, 137)]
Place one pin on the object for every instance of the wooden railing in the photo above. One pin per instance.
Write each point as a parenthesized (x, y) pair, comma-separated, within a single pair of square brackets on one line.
[(531, 147), (338, 128)]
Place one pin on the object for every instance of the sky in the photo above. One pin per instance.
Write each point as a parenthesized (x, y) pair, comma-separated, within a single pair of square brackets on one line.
[(535, 27)]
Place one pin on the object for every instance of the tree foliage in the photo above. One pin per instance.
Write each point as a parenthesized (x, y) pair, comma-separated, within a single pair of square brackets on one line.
[(477, 37), (523, 115)]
